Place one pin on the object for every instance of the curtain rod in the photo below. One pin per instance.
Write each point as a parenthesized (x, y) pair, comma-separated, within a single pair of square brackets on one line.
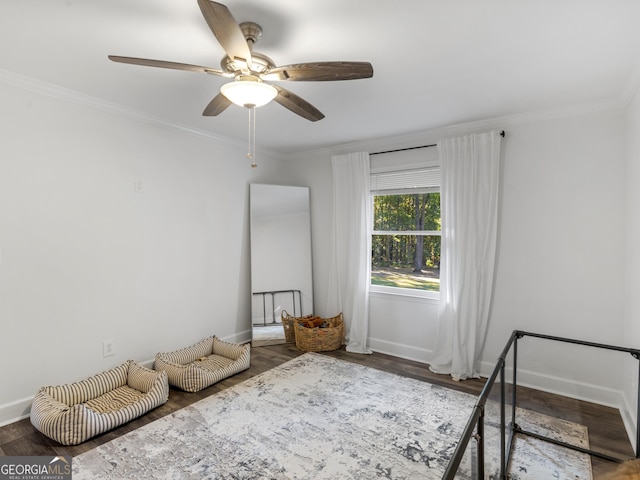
[(415, 148)]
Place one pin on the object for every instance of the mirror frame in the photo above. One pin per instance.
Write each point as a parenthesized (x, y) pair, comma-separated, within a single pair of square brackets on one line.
[(281, 260)]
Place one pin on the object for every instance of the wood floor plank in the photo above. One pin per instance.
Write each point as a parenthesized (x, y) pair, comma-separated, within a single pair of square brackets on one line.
[(605, 426)]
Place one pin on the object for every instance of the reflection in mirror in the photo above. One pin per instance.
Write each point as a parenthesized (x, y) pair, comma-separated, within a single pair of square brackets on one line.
[(281, 277)]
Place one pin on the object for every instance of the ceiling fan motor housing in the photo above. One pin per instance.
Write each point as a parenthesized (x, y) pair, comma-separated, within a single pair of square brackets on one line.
[(237, 66)]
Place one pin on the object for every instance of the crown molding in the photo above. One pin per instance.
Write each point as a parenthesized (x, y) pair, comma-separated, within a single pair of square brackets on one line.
[(23, 82), (369, 145), (432, 135)]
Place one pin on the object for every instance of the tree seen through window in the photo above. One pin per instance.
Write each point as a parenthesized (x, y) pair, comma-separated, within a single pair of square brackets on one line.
[(406, 241)]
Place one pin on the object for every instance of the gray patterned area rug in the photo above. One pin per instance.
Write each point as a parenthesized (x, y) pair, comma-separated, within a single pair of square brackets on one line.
[(316, 417)]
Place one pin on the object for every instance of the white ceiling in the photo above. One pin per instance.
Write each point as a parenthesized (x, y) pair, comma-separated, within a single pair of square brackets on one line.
[(436, 62)]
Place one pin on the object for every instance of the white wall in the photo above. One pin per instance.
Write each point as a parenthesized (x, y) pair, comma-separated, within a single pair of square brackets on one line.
[(560, 261), (84, 258)]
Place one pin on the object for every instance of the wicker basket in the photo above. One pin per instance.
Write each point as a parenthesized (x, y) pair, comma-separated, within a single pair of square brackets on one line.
[(320, 339), (287, 323)]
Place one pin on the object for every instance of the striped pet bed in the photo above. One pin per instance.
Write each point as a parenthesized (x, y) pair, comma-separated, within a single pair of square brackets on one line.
[(73, 413), (204, 363)]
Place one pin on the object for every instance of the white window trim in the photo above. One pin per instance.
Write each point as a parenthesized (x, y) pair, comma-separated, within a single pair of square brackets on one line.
[(404, 292)]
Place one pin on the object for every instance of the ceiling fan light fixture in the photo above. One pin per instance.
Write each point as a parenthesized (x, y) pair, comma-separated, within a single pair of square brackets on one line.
[(247, 93)]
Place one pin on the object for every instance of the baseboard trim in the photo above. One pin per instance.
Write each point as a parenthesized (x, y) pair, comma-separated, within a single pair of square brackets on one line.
[(587, 392), (240, 337), (20, 409), (15, 411), (547, 383), (561, 386), (400, 350)]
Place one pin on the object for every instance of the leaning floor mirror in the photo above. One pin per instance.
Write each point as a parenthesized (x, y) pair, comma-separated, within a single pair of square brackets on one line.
[(281, 276)]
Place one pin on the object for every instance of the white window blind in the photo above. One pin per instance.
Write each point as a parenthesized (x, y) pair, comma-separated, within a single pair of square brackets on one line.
[(417, 180)]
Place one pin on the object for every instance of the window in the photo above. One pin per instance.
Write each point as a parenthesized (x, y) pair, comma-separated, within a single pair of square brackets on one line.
[(405, 241)]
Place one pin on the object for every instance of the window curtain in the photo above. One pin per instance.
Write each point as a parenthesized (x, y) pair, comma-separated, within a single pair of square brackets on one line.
[(351, 253), (469, 167)]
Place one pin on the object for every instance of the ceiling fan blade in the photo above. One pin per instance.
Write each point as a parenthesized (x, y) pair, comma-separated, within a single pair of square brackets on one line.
[(297, 105), (226, 30), (216, 106), (163, 64), (320, 71)]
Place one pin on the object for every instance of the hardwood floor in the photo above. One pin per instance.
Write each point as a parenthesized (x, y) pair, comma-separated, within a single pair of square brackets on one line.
[(606, 430)]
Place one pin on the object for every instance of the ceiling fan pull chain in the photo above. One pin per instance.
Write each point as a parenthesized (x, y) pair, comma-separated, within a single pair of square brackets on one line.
[(251, 155)]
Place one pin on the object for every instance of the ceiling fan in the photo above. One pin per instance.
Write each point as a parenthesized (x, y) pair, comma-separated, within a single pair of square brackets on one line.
[(251, 70)]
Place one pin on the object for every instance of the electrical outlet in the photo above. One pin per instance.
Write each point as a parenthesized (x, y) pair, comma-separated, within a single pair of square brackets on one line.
[(108, 348)]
